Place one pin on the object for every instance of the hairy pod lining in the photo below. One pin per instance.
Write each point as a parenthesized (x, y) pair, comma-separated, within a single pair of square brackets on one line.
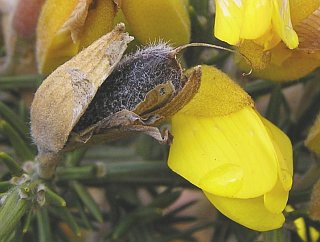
[(131, 80)]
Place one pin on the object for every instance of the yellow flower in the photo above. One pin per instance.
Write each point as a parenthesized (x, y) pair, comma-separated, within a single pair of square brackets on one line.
[(154, 20), (265, 21), (302, 229), (241, 161), (258, 27), (66, 27)]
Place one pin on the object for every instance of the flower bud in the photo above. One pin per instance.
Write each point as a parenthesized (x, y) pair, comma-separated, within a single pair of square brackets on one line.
[(151, 20), (65, 27)]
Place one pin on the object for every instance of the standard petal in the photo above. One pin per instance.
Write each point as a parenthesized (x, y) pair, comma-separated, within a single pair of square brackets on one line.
[(230, 156), (236, 20), (256, 19), (248, 212), (281, 22), (228, 20)]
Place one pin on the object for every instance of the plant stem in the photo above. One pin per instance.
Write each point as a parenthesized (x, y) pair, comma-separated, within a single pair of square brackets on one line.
[(11, 212)]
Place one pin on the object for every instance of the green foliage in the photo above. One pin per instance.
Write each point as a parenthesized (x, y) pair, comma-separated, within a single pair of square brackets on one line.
[(122, 191)]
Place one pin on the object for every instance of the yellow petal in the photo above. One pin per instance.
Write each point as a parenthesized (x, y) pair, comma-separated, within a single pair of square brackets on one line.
[(218, 95), (248, 212), (300, 226), (154, 20), (71, 26), (99, 22), (228, 21), (257, 19), (281, 22), (237, 20), (283, 148), (268, 40), (230, 155), (48, 25), (276, 200)]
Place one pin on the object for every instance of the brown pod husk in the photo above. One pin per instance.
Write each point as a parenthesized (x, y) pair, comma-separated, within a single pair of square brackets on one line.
[(64, 96), (97, 96)]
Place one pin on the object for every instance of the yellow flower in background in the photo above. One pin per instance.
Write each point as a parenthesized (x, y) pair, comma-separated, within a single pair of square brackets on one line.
[(271, 58), (154, 20), (241, 161), (66, 27), (265, 21), (302, 229)]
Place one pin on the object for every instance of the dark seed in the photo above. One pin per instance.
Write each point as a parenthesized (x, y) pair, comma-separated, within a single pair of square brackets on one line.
[(130, 81)]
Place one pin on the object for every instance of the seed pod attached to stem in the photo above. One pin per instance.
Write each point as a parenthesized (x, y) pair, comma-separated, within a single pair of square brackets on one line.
[(64, 96), (99, 96)]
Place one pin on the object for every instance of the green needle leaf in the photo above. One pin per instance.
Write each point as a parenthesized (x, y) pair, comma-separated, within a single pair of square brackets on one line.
[(12, 165), (88, 201), (25, 81), (144, 215), (53, 198), (27, 222), (9, 116), (22, 149), (44, 230), (11, 212)]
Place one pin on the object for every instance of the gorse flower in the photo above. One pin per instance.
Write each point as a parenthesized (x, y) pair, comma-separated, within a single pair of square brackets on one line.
[(241, 161), (66, 27), (264, 21), (267, 32), (151, 20)]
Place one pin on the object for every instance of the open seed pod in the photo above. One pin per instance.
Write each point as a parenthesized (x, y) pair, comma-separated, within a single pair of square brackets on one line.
[(99, 96)]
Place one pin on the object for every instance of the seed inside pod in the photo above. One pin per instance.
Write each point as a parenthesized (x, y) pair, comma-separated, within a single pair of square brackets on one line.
[(131, 80)]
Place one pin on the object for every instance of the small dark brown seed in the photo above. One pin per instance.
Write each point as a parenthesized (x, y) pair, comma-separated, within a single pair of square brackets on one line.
[(131, 80)]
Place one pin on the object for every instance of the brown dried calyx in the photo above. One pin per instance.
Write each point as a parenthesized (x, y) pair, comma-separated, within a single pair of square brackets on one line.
[(99, 96)]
